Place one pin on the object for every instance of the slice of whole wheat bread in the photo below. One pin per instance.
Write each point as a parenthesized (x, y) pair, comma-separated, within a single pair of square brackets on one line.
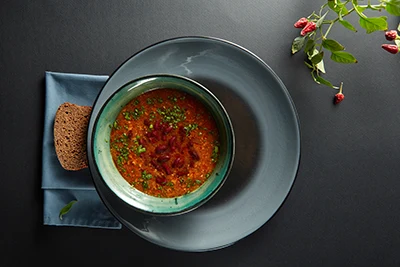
[(70, 131)]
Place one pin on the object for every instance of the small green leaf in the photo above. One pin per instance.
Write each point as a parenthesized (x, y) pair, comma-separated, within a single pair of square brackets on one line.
[(398, 27), (348, 25), (317, 58), (321, 80), (66, 208), (310, 45), (321, 19), (298, 44), (393, 7), (397, 42), (374, 24), (332, 45), (343, 57)]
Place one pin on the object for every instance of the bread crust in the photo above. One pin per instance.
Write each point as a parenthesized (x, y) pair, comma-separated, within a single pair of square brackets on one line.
[(70, 132)]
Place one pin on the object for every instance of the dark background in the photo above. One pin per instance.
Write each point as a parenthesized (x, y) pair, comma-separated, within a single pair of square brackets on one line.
[(344, 207)]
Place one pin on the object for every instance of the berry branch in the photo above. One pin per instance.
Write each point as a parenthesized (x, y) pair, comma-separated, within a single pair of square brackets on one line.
[(314, 41)]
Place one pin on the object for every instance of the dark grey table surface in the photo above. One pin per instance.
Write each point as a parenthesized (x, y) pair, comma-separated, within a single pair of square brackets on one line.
[(344, 207)]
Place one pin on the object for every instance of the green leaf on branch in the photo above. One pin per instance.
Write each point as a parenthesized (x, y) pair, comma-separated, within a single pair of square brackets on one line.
[(374, 24), (321, 80), (309, 47), (397, 42), (320, 65), (348, 25), (338, 7), (317, 58), (343, 57), (332, 45), (66, 209), (393, 7), (321, 19), (298, 44), (318, 79)]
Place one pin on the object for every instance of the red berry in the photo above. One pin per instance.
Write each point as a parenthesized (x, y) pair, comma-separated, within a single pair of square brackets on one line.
[(301, 23), (393, 49), (391, 35), (310, 27), (339, 98)]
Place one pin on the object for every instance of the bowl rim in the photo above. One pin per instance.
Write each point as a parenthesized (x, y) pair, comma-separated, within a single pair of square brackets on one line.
[(230, 131)]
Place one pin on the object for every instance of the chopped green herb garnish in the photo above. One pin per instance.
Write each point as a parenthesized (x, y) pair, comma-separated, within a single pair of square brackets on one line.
[(190, 127), (127, 115), (145, 185), (120, 160), (116, 126), (172, 115), (189, 182), (214, 156), (137, 113), (146, 176), (172, 98), (140, 149)]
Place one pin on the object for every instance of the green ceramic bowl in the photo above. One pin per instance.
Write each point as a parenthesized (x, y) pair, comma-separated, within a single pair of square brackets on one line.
[(121, 188)]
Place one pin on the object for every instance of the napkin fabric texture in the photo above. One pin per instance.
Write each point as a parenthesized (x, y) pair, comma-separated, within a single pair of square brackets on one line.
[(59, 185)]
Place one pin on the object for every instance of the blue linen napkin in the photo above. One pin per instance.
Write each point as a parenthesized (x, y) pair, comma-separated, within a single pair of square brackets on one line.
[(59, 185)]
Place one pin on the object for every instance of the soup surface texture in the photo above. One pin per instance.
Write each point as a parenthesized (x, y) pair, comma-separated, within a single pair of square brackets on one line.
[(165, 143)]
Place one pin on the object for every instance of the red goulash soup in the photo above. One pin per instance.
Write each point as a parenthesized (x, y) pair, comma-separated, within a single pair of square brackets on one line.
[(165, 143)]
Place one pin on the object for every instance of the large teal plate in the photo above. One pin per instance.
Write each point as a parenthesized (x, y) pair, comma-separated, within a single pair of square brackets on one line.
[(267, 134)]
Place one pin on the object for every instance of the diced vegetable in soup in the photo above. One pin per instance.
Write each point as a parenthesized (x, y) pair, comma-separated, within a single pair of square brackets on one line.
[(165, 143)]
